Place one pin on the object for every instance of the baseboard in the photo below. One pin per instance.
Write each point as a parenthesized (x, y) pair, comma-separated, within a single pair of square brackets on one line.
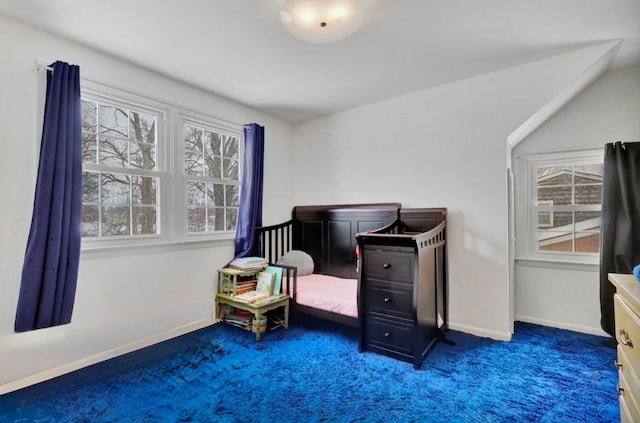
[(561, 325), (106, 355), (500, 336)]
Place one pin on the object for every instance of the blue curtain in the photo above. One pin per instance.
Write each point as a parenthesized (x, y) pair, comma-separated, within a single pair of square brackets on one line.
[(620, 228), (50, 269), (250, 211)]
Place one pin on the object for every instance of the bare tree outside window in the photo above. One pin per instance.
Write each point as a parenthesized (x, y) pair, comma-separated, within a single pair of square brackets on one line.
[(211, 165), (120, 193)]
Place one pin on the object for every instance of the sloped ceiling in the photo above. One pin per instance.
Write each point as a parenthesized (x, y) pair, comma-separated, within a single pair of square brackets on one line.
[(239, 50)]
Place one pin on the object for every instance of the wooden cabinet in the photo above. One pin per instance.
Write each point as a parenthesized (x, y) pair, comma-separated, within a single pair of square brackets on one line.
[(397, 300), (627, 318)]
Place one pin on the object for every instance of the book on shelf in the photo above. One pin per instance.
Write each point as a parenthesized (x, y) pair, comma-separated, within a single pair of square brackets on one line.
[(267, 300), (263, 289), (248, 263), (250, 296), (265, 282), (277, 279)]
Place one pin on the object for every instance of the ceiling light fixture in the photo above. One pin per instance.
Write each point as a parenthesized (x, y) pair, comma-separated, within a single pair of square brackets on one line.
[(322, 21)]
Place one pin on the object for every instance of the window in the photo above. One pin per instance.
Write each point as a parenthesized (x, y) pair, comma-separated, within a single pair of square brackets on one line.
[(211, 169), (564, 197), (137, 189)]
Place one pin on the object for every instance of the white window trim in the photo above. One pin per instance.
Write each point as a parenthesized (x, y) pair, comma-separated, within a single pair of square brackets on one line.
[(528, 250), (170, 151), (183, 117)]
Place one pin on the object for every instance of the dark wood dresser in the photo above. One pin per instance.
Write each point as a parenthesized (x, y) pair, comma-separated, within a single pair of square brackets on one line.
[(402, 292)]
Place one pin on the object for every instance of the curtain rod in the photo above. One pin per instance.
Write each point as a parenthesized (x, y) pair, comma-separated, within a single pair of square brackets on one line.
[(41, 66)]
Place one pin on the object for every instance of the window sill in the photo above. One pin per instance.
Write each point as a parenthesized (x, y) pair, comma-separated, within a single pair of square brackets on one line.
[(557, 263), (103, 251)]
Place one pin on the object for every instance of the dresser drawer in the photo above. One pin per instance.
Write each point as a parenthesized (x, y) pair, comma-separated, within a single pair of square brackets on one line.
[(387, 298), (387, 334), (627, 330), (627, 401), (389, 265), (627, 372)]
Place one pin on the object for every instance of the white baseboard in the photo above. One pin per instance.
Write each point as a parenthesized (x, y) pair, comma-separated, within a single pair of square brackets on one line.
[(561, 325), (106, 355), (500, 336)]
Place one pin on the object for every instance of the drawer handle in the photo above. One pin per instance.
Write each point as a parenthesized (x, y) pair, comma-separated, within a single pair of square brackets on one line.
[(387, 300), (624, 338), (387, 265), (617, 364), (620, 390), (387, 334)]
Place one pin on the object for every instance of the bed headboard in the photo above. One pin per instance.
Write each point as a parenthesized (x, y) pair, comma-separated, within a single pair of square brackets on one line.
[(328, 233)]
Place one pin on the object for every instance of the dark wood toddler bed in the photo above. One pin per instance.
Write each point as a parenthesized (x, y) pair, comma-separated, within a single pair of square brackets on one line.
[(329, 233)]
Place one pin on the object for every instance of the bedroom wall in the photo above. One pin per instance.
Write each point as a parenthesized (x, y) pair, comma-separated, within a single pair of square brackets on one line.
[(124, 300), (441, 147), (607, 111)]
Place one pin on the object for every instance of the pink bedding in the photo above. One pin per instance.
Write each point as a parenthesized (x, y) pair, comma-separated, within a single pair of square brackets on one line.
[(329, 293)]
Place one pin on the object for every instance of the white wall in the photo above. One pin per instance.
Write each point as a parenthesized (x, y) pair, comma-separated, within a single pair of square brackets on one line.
[(607, 111), (441, 147), (127, 300)]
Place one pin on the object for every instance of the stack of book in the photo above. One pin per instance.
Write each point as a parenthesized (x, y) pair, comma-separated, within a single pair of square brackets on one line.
[(249, 263), (241, 286), (264, 288), (239, 319)]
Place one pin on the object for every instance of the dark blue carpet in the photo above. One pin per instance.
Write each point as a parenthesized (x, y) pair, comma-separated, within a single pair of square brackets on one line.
[(313, 374)]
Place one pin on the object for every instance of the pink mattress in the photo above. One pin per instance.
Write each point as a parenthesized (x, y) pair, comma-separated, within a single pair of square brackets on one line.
[(329, 293)]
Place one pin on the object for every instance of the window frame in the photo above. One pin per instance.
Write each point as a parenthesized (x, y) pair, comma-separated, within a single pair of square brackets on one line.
[(185, 117), (171, 193), (531, 163)]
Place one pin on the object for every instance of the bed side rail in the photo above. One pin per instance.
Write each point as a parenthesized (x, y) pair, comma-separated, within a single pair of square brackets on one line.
[(272, 242)]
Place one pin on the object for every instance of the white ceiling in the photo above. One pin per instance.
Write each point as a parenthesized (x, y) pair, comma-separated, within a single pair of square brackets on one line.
[(238, 49)]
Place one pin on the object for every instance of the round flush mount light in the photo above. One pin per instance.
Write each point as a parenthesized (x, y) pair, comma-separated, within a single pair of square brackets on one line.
[(322, 21)]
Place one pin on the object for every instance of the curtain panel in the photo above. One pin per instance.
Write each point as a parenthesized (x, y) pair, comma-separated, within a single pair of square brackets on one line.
[(250, 209), (620, 228), (50, 268)]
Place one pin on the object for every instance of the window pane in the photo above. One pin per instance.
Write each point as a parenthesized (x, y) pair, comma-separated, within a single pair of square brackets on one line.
[(211, 219), (114, 121), (554, 175), (232, 218), (90, 187), (144, 219), (115, 221), (233, 195), (554, 195), (231, 169), (89, 148), (231, 147), (213, 144), (587, 242), (193, 164), (144, 190), (213, 167), (143, 156), (197, 219), (196, 193), (142, 127), (219, 222), (115, 189), (89, 116), (216, 195), (192, 139), (113, 152), (90, 221), (588, 194), (587, 221)]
